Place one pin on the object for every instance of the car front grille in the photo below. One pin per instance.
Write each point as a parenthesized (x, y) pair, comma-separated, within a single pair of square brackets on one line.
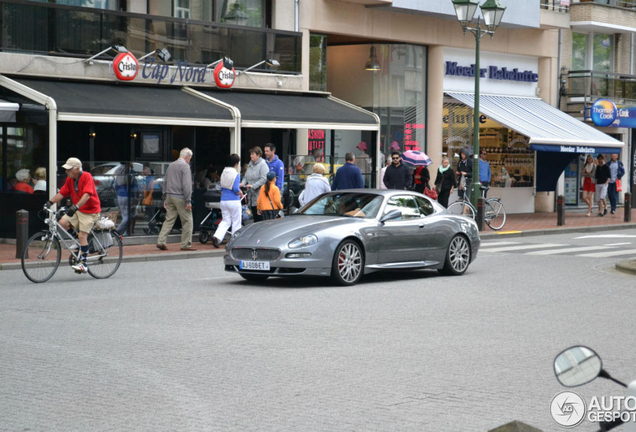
[(255, 254)]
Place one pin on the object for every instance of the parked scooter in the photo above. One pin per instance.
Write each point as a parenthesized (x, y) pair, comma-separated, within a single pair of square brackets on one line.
[(580, 365)]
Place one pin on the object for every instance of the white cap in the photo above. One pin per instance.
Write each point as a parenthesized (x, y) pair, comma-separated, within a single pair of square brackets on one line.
[(72, 163)]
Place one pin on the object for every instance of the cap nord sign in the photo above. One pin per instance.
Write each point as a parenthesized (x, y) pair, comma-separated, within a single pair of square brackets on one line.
[(125, 66)]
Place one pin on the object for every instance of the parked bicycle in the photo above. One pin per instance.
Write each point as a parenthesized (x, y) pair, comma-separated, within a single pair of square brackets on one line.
[(43, 251), (494, 211)]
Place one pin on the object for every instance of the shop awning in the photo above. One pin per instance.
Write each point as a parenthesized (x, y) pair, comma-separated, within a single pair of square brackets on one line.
[(125, 103), (293, 111), (547, 128)]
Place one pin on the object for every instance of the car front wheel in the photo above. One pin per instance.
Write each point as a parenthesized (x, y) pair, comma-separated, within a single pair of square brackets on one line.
[(348, 263), (457, 257)]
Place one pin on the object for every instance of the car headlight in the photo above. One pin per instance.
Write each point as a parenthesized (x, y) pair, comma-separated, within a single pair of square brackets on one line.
[(306, 240)]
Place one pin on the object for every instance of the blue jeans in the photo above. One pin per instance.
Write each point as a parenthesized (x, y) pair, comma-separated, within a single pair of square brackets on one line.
[(612, 194)]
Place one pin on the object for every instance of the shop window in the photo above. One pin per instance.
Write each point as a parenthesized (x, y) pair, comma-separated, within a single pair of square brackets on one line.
[(508, 153)]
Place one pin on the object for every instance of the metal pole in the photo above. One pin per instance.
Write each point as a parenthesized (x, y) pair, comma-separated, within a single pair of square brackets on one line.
[(628, 207), (21, 232), (476, 185), (560, 210)]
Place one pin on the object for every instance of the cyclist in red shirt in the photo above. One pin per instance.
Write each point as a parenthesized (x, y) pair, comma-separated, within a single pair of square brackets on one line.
[(86, 207)]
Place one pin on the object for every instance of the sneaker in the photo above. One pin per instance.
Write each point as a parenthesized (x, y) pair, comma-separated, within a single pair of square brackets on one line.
[(600, 214), (613, 212), (605, 212), (80, 267)]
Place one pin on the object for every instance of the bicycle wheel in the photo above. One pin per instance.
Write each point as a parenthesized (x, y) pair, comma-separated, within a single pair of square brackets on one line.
[(461, 208), (105, 262), (495, 214), (41, 257)]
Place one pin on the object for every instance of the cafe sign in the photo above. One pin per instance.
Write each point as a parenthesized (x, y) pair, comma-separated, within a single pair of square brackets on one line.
[(125, 66), (224, 75)]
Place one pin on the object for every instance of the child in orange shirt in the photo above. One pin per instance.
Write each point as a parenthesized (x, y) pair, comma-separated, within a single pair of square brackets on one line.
[(269, 202)]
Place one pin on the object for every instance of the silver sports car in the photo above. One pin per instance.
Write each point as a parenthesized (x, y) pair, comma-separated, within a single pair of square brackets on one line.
[(346, 234)]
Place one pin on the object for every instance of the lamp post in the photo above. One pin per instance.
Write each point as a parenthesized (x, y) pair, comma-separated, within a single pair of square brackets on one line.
[(492, 13)]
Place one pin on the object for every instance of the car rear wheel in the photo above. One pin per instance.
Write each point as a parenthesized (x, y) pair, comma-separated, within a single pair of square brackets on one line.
[(348, 263), (457, 257), (254, 277)]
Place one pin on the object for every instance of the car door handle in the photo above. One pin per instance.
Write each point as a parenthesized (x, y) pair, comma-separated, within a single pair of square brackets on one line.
[(423, 226)]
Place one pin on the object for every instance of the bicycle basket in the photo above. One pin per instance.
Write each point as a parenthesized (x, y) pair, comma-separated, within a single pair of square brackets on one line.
[(103, 237)]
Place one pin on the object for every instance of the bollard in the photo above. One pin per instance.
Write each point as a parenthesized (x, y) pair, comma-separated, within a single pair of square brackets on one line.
[(21, 232), (481, 210), (560, 210), (628, 207)]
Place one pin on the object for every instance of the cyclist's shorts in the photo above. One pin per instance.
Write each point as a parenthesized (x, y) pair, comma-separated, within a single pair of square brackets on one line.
[(85, 221)]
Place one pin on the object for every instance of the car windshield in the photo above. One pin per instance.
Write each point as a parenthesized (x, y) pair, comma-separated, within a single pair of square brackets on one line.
[(348, 204)]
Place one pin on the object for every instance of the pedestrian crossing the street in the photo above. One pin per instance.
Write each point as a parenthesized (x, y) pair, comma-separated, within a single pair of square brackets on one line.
[(548, 249)]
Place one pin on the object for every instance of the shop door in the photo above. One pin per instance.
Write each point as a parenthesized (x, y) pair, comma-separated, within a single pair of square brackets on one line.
[(572, 182)]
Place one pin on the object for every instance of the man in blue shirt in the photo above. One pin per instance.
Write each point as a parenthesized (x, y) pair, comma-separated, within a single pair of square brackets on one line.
[(348, 176), (275, 164), (484, 170), (617, 170)]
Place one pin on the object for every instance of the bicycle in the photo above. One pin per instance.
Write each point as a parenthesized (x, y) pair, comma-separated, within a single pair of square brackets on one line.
[(43, 251), (494, 211)]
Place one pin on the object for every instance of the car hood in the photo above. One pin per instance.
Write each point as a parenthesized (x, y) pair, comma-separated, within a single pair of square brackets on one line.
[(289, 228)]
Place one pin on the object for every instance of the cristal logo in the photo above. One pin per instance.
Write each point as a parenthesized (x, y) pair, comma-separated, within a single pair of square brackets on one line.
[(125, 66), (603, 112), (224, 77)]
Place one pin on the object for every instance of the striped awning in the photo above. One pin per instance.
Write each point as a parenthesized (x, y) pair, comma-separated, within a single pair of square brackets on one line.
[(547, 128)]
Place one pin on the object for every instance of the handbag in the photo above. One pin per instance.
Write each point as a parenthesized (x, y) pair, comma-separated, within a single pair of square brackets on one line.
[(278, 213), (619, 186), (430, 193)]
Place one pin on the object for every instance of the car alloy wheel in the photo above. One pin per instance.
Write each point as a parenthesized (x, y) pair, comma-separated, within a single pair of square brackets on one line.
[(458, 256), (348, 263)]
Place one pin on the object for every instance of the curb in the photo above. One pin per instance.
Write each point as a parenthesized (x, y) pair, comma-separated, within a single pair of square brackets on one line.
[(627, 266), (166, 256), (560, 230)]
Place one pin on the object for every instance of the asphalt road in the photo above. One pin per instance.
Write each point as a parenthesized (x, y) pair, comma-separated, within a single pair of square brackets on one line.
[(184, 346)]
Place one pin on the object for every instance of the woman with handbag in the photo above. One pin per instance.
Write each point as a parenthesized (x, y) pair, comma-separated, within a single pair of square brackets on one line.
[(464, 174), (444, 182), (269, 202), (589, 187), (421, 177), (231, 195)]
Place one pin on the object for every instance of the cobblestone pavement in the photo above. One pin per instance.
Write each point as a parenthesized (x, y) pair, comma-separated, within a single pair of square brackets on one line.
[(183, 346)]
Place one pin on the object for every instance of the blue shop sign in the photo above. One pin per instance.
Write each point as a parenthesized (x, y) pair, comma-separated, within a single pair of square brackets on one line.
[(605, 113), (492, 72), (573, 149)]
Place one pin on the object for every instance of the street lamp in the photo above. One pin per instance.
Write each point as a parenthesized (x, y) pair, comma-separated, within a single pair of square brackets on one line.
[(492, 13)]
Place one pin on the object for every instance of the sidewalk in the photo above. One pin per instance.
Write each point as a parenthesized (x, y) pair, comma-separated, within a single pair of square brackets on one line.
[(516, 225)]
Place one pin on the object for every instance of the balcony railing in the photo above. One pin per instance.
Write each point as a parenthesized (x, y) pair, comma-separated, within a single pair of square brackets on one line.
[(592, 85), (625, 4), (53, 29), (555, 5)]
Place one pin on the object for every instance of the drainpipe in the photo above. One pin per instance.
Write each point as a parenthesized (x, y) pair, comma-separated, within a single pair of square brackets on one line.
[(559, 77), (631, 57), (296, 16), (51, 106)]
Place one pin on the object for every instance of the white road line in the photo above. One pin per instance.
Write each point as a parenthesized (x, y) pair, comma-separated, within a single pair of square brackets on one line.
[(610, 253), (618, 244), (497, 243), (522, 247), (566, 250), (607, 236)]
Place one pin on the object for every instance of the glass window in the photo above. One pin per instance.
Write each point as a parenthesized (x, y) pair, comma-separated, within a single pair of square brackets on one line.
[(579, 48), (345, 204), (603, 48), (425, 206), (241, 12), (182, 9), (318, 62), (406, 205)]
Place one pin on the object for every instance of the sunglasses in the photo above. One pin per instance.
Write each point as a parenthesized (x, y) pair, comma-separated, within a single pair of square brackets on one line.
[(395, 158)]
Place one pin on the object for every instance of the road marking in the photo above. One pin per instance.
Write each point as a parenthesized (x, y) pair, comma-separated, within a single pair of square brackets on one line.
[(618, 244), (526, 246), (610, 253), (607, 236), (566, 250), (497, 243)]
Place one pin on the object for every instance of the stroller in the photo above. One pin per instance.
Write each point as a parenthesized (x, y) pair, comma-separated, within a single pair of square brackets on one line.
[(210, 222), (156, 221)]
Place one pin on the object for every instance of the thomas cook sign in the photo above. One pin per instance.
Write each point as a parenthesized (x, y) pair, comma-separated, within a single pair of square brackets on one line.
[(125, 66)]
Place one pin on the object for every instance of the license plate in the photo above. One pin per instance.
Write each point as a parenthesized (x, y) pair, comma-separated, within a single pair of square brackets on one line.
[(254, 265)]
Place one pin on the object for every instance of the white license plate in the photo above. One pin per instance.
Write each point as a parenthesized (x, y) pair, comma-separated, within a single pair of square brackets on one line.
[(254, 265)]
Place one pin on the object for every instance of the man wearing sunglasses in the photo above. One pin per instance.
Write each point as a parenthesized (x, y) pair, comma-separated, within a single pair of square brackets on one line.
[(397, 175)]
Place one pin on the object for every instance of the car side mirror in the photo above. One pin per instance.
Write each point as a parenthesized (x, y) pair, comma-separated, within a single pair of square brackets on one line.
[(392, 215), (577, 365)]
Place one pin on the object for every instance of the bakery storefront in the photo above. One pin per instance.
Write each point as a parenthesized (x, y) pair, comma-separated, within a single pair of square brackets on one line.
[(529, 142), (139, 126)]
